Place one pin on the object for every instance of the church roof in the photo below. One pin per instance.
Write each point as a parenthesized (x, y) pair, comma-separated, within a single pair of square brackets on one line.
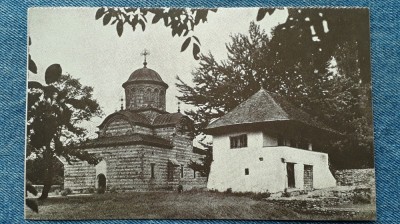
[(131, 117), (264, 107), (145, 75), (136, 138), (167, 119)]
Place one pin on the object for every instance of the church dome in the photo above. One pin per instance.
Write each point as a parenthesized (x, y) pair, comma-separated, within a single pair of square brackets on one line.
[(145, 75)]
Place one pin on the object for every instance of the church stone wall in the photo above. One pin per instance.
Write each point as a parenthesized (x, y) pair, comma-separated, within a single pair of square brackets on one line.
[(165, 132), (129, 168), (118, 127), (79, 175), (142, 130)]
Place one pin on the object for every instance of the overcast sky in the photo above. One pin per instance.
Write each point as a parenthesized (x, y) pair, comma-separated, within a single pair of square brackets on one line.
[(96, 55)]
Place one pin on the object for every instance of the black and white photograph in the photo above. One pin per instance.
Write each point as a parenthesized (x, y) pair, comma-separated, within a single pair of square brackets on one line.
[(199, 113)]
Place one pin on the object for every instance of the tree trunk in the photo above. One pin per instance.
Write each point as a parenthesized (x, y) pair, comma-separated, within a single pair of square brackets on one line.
[(48, 176)]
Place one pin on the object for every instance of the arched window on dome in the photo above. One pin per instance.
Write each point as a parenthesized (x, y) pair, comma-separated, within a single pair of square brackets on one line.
[(147, 97), (132, 97), (140, 97), (162, 98), (156, 97)]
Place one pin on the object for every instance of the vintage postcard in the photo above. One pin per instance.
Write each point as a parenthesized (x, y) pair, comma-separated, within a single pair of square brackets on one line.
[(199, 113)]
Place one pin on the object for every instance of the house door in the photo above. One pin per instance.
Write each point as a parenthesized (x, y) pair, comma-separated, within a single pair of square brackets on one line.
[(308, 177), (290, 175)]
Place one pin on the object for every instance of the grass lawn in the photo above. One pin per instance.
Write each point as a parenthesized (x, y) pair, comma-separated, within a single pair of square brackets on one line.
[(167, 205)]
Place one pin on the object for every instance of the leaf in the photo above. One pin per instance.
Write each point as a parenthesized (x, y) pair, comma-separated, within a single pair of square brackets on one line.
[(165, 18), (32, 65), (53, 73), (142, 24), (156, 18), (49, 91), (186, 44), (197, 39), (134, 22), (34, 85), (261, 14), (196, 51), (106, 19), (120, 27), (100, 12)]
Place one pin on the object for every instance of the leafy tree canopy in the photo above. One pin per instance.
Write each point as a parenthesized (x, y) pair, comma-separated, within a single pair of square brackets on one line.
[(54, 113), (181, 21), (294, 64)]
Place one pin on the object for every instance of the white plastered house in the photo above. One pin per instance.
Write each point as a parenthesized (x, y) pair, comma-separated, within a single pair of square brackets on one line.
[(267, 144)]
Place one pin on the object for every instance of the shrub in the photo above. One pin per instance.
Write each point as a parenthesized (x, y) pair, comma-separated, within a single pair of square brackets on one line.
[(260, 196), (228, 191), (361, 199), (180, 189), (101, 190), (91, 190), (113, 189), (195, 190), (57, 192), (285, 193), (66, 191)]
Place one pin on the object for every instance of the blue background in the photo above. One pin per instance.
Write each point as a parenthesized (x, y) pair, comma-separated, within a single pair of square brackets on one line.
[(385, 17)]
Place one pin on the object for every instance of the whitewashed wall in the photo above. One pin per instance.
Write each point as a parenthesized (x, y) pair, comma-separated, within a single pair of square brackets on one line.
[(267, 166)]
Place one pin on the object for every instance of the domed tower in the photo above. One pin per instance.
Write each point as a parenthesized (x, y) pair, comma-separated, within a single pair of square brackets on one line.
[(145, 89)]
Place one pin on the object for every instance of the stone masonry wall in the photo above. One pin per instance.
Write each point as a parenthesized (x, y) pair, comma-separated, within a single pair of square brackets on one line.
[(355, 177), (129, 168)]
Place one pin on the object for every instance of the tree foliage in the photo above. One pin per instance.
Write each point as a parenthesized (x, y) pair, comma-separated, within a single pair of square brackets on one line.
[(180, 21), (54, 112), (299, 64), (203, 165)]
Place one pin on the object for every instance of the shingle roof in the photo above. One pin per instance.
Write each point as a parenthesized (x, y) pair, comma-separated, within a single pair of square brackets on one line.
[(167, 119), (130, 115), (263, 107), (135, 139), (145, 75)]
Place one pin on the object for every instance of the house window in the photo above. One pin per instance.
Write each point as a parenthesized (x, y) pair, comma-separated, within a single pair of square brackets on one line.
[(194, 174), (269, 140), (239, 141), (181, 171), (152, 170), (246, 171), (170, 172), (281, 141)]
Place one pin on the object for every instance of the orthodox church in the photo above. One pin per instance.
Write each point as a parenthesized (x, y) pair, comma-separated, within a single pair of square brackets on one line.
[(142, 147)]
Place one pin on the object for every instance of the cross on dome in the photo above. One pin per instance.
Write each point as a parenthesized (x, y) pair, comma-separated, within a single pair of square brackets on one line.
[(144, 53)]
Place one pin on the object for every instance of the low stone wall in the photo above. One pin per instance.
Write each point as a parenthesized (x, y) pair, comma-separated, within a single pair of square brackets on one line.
[(39, 188), (325, 200), (355, 177)]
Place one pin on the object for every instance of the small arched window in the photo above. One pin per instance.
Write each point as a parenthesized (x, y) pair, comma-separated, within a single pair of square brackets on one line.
[(147, 97), (132, 96), (156, 97), (140, 97)]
